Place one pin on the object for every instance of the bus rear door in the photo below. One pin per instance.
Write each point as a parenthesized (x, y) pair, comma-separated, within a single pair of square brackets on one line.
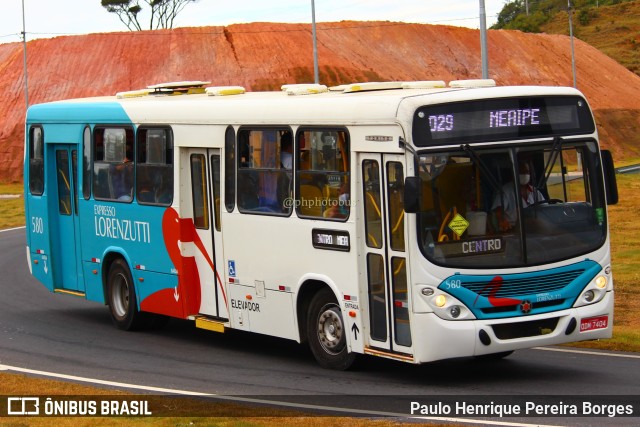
[(382, 180), (202, 204), (63, 218)]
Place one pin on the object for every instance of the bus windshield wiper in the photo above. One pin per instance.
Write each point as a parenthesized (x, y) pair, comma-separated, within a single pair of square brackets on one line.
[(483, 167)]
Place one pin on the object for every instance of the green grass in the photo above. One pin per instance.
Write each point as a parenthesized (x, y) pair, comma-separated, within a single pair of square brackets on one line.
[(624, 225), (613, 29), (11, 209)]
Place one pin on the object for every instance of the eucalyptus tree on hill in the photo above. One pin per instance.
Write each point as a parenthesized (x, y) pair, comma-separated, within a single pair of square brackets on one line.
[(162, 12)]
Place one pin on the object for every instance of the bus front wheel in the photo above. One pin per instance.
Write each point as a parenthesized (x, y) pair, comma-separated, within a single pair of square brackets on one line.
[(326, 332), (121, 295)]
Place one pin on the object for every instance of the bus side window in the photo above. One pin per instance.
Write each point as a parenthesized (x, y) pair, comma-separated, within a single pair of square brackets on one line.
[(372, 211), (323, 174), (395, 192), (199, 194), (264, 174), (86, 163), (36, 161), (64, 182), (230, 169), (215, 181), (154, 166), (113, 163)]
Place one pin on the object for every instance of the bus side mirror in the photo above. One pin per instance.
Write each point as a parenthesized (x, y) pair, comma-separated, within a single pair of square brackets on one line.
[(412, 194), (610, 184)]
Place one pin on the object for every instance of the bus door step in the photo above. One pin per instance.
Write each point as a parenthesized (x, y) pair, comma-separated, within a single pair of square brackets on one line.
[(389, 354), (69, 292), (209, 324)]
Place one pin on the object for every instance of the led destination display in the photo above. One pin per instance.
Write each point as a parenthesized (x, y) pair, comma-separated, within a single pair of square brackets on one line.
[(499, 119)]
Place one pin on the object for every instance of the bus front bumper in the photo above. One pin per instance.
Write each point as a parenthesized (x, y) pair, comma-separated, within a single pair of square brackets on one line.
[(444, 339)]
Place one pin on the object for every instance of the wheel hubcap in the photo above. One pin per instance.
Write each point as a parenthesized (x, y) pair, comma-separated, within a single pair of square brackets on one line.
[(331, 330), (120, 300)]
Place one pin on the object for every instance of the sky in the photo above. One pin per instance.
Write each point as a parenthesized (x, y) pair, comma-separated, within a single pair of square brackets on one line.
[(51, 18)]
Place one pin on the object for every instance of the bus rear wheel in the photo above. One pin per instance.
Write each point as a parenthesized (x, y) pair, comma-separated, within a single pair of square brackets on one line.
[(121, 296), (327, 333)]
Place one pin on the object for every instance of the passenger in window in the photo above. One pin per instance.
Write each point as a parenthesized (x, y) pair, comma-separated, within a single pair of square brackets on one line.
[(145, 187), (505, 205), (122, 180), (339, 208)]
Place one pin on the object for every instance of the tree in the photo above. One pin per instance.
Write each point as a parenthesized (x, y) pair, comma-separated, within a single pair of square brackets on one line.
[(163, 12), (508, 13)]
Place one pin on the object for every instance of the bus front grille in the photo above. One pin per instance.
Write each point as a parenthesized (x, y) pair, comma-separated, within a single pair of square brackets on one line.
[(516, 308), (524, 286)]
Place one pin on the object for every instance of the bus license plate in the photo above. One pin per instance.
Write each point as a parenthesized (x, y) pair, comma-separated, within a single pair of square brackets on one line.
[(592, 323)]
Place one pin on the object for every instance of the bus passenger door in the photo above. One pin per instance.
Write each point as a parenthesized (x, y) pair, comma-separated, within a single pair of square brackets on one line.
[(382, 182), (63, 207), (201, 203)]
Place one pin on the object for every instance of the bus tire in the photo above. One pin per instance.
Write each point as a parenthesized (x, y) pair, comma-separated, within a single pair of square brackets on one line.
[(121, 297), (327, 333)]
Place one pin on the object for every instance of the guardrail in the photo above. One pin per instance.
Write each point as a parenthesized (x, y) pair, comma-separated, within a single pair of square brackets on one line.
[(629, 169)]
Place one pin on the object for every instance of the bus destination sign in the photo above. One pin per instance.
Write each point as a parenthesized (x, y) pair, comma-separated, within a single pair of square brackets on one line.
[(336, 240), (500, 119)]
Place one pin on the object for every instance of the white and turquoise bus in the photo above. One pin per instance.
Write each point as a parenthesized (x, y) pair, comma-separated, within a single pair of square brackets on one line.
[(416, 221)]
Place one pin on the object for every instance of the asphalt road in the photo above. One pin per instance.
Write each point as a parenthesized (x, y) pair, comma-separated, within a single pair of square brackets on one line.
[(68, 335)]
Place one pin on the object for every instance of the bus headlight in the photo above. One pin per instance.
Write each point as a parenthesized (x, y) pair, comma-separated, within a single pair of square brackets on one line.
[(444, 305), (593, 292)]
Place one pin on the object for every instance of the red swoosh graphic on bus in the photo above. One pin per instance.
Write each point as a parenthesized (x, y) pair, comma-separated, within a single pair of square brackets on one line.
[(494, 286), (186, 299), (190, 229), (164, 301)]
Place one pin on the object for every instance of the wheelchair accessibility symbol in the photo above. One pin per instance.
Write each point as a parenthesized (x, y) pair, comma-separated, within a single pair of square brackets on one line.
[(232, 269)]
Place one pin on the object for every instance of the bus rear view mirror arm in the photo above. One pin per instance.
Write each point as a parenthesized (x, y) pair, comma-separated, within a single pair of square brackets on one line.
[(610, 183)]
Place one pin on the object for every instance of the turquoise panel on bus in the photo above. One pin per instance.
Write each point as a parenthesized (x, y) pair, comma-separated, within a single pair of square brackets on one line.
[(53, 235), (78, 112), (505, 295)]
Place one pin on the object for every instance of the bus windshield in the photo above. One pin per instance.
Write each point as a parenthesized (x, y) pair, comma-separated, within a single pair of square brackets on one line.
[(511, 207)]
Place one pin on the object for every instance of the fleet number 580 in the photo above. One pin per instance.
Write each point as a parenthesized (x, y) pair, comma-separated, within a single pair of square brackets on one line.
[(453, 284), (37, 225)]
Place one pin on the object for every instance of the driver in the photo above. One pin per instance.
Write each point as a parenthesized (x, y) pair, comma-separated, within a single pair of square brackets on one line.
[(505, 205)]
